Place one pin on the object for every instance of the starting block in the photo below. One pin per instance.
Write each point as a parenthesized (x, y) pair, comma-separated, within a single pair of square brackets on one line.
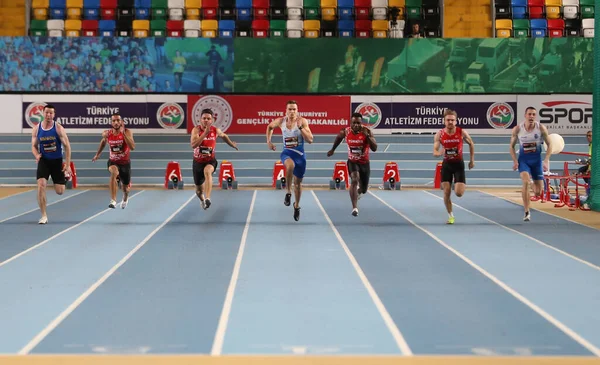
[(173, 178), (279, 181), (340, 176), (71, 179), (391, 176), (227, 178)]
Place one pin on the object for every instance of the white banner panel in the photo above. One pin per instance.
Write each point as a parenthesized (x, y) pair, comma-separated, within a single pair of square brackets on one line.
[(562, 114)]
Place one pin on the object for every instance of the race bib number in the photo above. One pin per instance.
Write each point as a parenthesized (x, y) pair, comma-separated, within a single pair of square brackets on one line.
[(530, 147), (117, 149), (206, 151), (452, 152), (50, 147), (356, 151), (291, 142)]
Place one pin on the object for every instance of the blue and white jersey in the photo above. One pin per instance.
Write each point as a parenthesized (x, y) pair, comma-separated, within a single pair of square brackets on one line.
[(50, 145), (292, 138), (530, 141)]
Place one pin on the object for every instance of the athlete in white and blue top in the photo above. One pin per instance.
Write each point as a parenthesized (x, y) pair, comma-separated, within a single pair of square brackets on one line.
[(48, 139), (295, 132), (530, 135)]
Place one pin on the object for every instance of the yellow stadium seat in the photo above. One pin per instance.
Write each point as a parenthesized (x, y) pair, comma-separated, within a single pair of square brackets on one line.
[(74, 9), (40, 13), (141, 28), (397, 3), (503, 28), (553, 3), (192, 9), (380, 28), (552, 12), (72, 28), (40, 4), (328, 9), (209, 28), (312, 28)]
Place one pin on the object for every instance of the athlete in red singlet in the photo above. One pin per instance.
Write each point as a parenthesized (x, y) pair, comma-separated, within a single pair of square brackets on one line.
[(120, 143), (203, 141), (359, 139), (451, 139)]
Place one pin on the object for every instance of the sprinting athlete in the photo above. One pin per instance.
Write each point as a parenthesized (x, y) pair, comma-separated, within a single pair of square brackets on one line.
[(359, 139), (47, 141), (295, 131), (451, 138), (120, 144), (204, 141), (530, 135)]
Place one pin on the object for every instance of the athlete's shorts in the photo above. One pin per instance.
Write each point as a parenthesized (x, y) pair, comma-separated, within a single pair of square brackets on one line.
[(198, 170), (299, 162), (364, 174), (453, 170), (533, 167), (124, 171), (51, 167)]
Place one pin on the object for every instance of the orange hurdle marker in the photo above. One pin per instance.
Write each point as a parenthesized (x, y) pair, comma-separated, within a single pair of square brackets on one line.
[(173, 178), (279, 181), (340, 176), (391, 176), (227, 178)]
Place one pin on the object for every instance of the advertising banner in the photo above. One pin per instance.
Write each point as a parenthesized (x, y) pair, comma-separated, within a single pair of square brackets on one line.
[(562, 114), (424, 114), (77, 114), (250, 114)]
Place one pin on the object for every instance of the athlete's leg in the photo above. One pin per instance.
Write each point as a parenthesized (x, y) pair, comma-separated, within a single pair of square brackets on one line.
[(354, 178), (299, 170), (198, 172), (525, 174), (365, 176), (41, 198), (537, 175), (125, 176), (112, 185), (58, 176), (208, 171), (447, 176), (288, 163), (460, 181)]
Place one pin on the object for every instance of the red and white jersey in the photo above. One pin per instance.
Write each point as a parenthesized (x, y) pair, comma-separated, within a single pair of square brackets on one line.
[(453, 145), (119, 150), (206, 151), (358, 146)]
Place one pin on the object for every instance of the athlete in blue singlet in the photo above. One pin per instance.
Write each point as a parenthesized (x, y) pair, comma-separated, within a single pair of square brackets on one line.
[(48, 139), (530, 134), (295, 131)]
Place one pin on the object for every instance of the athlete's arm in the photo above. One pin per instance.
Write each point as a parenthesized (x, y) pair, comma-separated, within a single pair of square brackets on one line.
[(226, 138), (370, 139), (546, 138), (35, 143), (338, 139), (128, 137), (196, 139), (467, 138), (62, 134), (306, 132), (436, 145), (274, 124), (101, 147), (513, 142)]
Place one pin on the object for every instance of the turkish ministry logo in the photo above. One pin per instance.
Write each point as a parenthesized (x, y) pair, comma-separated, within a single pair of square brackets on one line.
[(500, 115), (220, 108), (34, 114), (371, 114), (170, 115)]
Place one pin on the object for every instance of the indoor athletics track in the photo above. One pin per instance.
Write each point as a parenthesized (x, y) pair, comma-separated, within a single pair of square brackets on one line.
[(164, 277)]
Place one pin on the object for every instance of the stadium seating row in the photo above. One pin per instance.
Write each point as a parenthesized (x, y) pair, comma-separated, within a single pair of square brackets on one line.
[(544, 18), (223, 28), (233, 9)]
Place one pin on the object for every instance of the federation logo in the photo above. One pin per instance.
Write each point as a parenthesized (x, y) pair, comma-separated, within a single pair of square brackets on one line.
[(371, 114), (34, 114), (220, 107), (500, 115), (170, 115)]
